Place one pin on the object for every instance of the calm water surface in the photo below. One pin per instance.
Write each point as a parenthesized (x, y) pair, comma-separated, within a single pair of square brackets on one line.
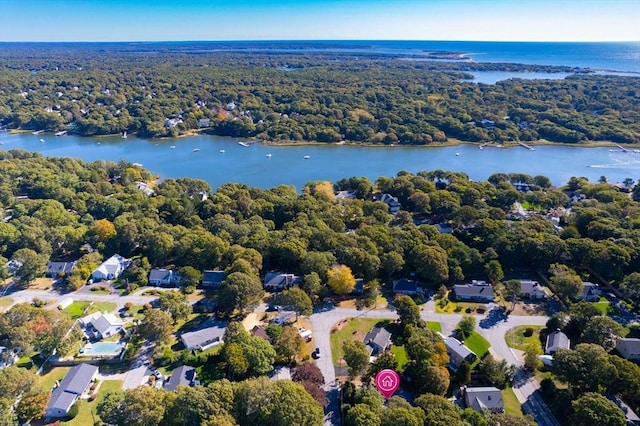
[(287, 165)]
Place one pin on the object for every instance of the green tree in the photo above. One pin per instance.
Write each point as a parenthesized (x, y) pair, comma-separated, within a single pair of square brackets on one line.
[(141, 406), (494, 272), (439, 411), (32, 406), (156, 326), (361, 414), (595, 409), (296, 300), (33, 265), (190, 276), (602, 331), (630, 285), (498, 373), (587, 368), (236, 362), (531, 360), (565, 281), (240, 291), (463, 375), (408, 311), (356, 356), (340, 279), (175, 304), (466, 326)]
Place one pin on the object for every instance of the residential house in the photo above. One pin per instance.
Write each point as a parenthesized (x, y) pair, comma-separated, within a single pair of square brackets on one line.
[(478, 291), (359, 287), (164, 277), (530, 289), (213, 279), (483, 398), (204, 122), (590, 292), (377, 340), (74, 384), (444, 228), (102, 326), (13, 266), (346, 195), (203, 339), (488, 123), (260, 331), (285, 317), (145, 188), (111, 268), (458, 353), (58, 269), (631, 417), (181, 376), (629, 348), (389, 200), (276, 281), (555, 341), (7, 357), (406, 286)]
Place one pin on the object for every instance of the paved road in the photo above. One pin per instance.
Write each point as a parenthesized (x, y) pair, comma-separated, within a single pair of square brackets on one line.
[(27, 296)]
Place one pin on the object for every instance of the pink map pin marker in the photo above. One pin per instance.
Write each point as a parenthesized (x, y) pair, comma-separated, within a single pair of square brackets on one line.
[(387, 382)]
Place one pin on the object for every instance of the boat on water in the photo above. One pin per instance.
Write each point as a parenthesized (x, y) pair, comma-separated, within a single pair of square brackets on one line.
[(306, 157), (268, 155), (37, 132), (124, 135), (41, 140), (196, 149), (222, 151), (245, 144), (457, 154), (62, 133), (172, 147)]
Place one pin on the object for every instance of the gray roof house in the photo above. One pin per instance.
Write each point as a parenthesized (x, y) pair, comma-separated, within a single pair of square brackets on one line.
[(163, 277), (377, 340), (111, 268), (458, 353), (101, 325), (629, 414), (555, 341), (389, 200), (590, 292), (203, 339), (181, 376), (56, 269), (285, 317), (74, 384), (629, 348), (405, 286), (478, 291), (532, 290), (483, 398), (280, 281), (213, 279)]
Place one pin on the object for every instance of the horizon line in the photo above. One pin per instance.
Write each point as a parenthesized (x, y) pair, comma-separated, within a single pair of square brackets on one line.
[(316, 40)]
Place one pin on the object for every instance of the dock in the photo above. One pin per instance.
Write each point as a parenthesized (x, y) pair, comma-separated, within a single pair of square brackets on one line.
[(530, 148)]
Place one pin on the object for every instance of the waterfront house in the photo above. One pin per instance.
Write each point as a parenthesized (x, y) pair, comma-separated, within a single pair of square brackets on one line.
[(377, 340), (483, 398), (101, 326), (163, 277), (74, 384), (111, 268), (478, 291), (213, 279), (458, 353), (555, 341), (144, 188), (59, 269), (389, 200), (530, 289), (629, 348), (203, 339), (181, 376), (204, 122), (276, 281), (406, 286), (590, 292)]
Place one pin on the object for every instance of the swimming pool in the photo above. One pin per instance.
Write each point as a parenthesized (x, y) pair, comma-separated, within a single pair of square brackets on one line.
[(101, 349)]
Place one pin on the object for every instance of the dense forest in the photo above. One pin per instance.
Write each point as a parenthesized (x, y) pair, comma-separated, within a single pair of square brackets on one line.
[(168, 90)]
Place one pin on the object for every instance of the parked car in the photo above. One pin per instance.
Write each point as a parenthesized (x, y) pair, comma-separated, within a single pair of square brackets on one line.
[(316, 353)]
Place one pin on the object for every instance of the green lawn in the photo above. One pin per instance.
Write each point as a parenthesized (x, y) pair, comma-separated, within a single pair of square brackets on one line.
[(354, 328), (478, 344), (435, 326), (511, 404), (86, 409), (516, 339), (48, 380), (447, 306), (81, 308), (401, 356), (603, 306), (5, 302)]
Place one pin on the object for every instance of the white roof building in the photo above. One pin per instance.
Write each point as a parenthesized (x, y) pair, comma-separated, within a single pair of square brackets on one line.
[(102, 325), (111, 268)]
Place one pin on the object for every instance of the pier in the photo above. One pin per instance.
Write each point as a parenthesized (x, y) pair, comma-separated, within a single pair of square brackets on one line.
[(530, 148)]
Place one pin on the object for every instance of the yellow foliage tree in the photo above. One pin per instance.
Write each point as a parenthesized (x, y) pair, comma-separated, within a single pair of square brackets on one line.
[(341, 279), (104, 229)]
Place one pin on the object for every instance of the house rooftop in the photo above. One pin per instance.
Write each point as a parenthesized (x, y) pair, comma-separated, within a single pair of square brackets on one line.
[(72, 385), (481, 398), (378, 336), (204, 338), (457, 347), (405, 285), (556, 340), (181, 376)]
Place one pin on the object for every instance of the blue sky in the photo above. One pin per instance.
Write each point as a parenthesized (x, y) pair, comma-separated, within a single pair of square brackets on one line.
[(147, 20)]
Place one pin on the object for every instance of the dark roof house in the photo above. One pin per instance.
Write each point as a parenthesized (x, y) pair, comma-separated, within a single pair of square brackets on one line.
[(389, 200), (555, 341), (56, 269), (280, 281), (590, 292), (74, 384), (213, 279), (181, 376), (377, 340), (484, 398), (405, 286), (458, 353), (163, 277)]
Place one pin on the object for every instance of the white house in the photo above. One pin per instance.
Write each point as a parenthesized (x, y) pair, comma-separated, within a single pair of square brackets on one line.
[(101, 325), (532, 290), (111, 268), (203, 339), (164, 277), (555, 341), (74, 384), (590, 292), (65, 303), (483, 398), (629, 348)]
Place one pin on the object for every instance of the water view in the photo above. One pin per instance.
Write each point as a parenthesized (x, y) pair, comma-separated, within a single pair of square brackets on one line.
[(219, 160)]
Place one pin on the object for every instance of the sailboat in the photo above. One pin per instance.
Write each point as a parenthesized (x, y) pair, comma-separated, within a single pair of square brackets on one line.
[(124, 135)]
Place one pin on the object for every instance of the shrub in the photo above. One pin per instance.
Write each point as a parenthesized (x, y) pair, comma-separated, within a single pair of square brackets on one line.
[(528, 332), (128, 306), (189, 289), (73, 411)]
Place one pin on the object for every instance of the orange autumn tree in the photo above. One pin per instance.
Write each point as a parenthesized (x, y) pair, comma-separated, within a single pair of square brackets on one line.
[(104, 229)]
